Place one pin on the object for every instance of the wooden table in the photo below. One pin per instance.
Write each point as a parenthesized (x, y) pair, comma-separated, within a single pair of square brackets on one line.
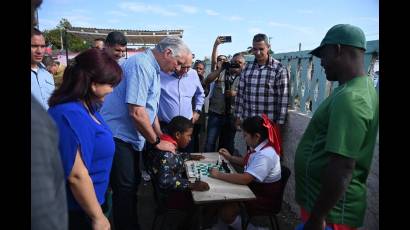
[(219, 190)]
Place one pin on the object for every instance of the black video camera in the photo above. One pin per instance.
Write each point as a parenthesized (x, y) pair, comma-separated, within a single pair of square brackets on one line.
[(228, 65)]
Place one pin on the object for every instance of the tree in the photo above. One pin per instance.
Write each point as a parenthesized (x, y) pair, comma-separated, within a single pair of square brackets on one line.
[(64, 24), (54, 37)]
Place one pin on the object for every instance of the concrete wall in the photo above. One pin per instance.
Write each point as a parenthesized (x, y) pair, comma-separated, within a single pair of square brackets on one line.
[(295, 127)]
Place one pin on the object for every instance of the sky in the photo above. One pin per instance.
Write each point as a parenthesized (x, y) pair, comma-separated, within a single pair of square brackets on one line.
[(286, 22)]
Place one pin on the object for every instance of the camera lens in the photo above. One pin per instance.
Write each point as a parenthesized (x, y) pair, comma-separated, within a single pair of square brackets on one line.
[(226, 65)]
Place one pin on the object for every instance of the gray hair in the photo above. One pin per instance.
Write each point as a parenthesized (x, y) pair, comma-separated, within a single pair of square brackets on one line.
[(175, 44)]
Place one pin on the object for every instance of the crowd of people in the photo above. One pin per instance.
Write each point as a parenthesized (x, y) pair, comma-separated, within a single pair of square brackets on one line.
[(109, 118)]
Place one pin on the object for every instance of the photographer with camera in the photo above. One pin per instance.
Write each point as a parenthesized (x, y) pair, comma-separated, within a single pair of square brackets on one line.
[(221, 100)]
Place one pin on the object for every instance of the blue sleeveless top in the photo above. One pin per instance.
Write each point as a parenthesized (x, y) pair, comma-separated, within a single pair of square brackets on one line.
[(77, 129)]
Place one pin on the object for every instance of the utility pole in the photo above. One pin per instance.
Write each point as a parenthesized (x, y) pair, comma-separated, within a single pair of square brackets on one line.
[(38, 22), (61, 40), (66, 46), (300, 46)]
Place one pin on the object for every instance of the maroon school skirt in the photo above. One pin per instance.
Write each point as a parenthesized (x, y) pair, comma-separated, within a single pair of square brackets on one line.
[(268, 198)]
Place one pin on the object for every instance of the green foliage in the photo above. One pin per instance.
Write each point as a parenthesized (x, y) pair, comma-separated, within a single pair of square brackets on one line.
[(64, 24), (54, 37)]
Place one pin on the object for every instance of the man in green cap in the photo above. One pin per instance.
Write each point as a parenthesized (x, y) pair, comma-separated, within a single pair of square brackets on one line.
[(333, 158)]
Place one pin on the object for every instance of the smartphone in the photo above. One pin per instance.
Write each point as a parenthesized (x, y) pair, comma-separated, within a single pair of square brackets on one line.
[(226, 39)]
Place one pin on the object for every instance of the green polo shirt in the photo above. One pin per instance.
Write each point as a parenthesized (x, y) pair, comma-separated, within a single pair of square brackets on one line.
[(346, 123)]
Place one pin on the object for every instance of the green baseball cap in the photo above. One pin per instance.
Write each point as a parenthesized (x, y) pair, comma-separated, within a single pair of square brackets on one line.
[(343, 34)]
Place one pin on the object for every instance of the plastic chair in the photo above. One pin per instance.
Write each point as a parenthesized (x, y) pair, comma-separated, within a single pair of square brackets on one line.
[(285, 174)]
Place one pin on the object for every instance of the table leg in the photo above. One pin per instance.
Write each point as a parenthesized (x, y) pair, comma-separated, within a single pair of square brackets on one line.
[(200, 217)]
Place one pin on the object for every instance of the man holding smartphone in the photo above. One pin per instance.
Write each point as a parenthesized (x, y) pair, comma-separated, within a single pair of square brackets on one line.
[(225, 79), (226, 39)]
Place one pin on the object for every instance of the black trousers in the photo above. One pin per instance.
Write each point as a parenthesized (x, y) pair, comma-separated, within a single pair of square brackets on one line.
[(195, 137), (228, 131), (125, 178)]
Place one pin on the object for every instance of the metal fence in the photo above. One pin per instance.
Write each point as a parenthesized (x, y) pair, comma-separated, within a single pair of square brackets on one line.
[(308, 84)]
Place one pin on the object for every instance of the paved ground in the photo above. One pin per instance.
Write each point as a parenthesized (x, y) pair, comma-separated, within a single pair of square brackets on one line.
[(146, 207)]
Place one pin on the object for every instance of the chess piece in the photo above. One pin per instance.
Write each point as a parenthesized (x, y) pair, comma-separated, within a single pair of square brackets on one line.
[(225, 167), (193, 169)]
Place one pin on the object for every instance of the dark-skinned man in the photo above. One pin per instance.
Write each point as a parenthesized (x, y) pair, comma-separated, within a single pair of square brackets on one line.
[(333, 158)]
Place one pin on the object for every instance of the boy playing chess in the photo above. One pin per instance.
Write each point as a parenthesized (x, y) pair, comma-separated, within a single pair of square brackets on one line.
[(262, 170), (168, 168)]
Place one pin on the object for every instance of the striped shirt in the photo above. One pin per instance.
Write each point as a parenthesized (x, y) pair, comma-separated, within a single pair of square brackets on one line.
[(263, 89)]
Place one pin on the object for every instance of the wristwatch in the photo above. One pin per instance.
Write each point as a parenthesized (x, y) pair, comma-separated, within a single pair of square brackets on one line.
[(198, 111), (156, 142)]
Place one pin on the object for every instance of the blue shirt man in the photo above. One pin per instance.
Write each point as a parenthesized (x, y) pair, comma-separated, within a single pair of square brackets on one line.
[(180, 94), (131, 113), (140, 86), (42, 85)]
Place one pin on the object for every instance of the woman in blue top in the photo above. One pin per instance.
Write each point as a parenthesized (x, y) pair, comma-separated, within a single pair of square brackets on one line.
[(85, 142)]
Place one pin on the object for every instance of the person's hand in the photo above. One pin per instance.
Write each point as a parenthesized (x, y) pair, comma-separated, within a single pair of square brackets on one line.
[(195, 117), (219, 66), (230, 93), (218, 41), (101, 223), (238, 124), (214, 172), (166, 146), (225, 153), (196, 157), (199, 186), (315, 224)]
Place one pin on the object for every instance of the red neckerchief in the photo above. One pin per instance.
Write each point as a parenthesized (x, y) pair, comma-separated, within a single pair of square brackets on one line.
[(166, 137), (249, 153), (273, 134)]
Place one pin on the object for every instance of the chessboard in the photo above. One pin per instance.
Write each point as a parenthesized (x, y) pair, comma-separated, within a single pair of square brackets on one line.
[(201, 169)]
